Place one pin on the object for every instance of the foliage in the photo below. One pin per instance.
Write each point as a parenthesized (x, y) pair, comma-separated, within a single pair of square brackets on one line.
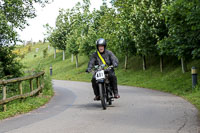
[(133, 27), (9, 64), (13, 15), (183, 24)]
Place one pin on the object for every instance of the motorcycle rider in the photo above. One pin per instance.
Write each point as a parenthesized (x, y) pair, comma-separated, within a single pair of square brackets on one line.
[(108, 59)]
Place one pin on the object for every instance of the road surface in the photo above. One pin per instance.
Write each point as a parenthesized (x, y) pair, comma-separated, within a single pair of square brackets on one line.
[(139, 110)]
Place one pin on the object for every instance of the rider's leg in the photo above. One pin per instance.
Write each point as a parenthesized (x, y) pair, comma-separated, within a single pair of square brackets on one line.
[(113, 80), (95, 88)]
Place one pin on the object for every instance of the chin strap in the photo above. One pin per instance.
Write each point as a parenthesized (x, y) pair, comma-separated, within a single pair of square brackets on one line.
[(103, 61)]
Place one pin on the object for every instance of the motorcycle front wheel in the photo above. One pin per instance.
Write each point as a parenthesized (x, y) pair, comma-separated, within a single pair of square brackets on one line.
[(102, 96)]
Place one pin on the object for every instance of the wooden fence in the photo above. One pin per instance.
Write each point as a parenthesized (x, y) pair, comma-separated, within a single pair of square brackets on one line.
[(39, 83)]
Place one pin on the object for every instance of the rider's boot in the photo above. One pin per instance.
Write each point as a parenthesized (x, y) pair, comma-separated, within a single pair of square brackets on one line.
[(116, 94), (96, 98), (95, 89), (115, 88)]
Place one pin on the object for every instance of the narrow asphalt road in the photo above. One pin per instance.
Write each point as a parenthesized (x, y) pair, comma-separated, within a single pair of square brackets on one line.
[(139, 110)]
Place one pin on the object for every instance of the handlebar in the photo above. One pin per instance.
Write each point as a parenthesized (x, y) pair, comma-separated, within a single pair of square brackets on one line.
[(97, 67)]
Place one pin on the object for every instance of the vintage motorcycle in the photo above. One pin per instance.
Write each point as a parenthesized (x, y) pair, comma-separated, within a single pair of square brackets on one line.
[(105, 89)]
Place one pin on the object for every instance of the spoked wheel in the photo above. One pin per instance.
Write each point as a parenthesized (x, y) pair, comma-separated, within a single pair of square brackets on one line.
[(102, 96)]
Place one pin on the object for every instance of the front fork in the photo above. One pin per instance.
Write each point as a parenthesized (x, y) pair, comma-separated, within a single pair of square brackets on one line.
[(106, 90)]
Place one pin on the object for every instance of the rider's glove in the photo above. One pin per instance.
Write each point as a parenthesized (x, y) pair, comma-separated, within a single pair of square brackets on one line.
[(88, 70)]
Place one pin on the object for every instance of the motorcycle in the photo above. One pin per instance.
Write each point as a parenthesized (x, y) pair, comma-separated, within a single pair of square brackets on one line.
[(105, 89)]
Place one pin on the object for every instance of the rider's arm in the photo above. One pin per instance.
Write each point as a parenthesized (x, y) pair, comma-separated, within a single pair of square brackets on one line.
[(92, 61), (114, 59)]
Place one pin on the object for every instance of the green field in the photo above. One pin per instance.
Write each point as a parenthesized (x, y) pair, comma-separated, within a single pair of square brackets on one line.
[(172, 80)]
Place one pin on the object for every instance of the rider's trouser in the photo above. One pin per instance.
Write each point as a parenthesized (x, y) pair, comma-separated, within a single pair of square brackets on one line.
[(112, 79)]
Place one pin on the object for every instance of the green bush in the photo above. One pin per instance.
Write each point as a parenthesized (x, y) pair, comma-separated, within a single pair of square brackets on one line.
[(8, 63)]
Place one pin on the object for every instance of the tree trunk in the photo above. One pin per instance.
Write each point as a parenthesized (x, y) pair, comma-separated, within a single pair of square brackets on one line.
[(72, 59), (161, 63), (126, 61), (63, 54), (76, 61), (184, 65), (54, 53), (144, 62)]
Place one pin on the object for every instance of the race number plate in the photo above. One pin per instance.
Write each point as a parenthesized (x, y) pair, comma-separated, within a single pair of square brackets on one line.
[(100, 75)]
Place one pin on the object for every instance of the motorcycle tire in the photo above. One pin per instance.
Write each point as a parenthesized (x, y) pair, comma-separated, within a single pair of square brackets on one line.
[(102, 96)]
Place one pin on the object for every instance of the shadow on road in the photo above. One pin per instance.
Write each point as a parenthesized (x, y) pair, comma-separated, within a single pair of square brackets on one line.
[(90, 106)]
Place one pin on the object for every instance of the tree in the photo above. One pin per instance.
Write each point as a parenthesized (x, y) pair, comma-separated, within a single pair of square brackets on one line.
[(144, 22), (51, 37), (57, 36), (183, 22), (13, 15), (75, 36), (89, 33), (63, 28), (161, 29), (124, 30)]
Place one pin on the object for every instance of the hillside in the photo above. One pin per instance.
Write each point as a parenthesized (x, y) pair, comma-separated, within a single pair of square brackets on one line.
[(171, 80)]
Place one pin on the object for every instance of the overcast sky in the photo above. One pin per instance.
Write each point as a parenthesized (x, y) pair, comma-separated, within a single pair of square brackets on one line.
[(48, 15)]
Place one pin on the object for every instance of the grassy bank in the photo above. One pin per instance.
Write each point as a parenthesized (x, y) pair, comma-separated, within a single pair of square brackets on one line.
[(172, 80)]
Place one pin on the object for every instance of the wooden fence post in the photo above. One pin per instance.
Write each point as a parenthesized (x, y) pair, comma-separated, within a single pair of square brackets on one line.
[(31, 84), (42, 83), (20, 88), (4, 97), (37, 82)]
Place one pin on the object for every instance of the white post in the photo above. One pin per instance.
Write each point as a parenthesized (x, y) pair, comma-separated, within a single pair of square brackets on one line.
[(77, 61), (63, 54), (126, 61), (183, 65), (54, 53), (72, 59)]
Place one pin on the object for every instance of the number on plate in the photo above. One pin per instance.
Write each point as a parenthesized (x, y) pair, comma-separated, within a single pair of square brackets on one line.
[(100, 75)]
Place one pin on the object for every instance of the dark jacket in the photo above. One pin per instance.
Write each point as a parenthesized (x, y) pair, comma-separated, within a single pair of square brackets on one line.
[(108, 56)]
